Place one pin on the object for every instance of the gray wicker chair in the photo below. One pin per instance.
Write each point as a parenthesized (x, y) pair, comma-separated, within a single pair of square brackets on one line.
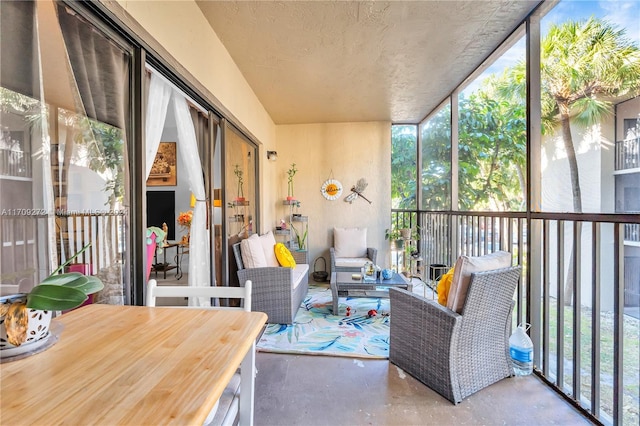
[(456, 354), (273, 289), (372, 255)]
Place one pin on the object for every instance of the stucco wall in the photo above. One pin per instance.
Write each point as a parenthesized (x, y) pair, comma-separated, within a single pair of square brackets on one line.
[(351, 151)]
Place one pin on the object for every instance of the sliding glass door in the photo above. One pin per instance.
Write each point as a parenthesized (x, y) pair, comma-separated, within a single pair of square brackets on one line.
[(65, 124)]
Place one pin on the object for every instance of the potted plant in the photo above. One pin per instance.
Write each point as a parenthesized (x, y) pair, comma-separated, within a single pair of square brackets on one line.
[(27, 315), (301, 238), (394, 236), (238, 172), (291, 173)]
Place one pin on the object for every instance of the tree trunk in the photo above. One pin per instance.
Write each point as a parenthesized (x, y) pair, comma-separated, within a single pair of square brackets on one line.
[(573, 162), (576, 193)]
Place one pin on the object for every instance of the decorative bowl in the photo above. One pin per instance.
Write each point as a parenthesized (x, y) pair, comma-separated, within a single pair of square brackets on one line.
[(387, 274)]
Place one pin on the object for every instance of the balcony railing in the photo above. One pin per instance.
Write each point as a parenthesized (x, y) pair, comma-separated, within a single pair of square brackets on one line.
[(579, 280), (14, 163), (628, 154), (632, 232), (26, 263)]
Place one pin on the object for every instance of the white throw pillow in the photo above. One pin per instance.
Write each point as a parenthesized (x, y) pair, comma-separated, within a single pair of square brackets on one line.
[(350, 242), (268, 242), (465, 266), (252, 253)]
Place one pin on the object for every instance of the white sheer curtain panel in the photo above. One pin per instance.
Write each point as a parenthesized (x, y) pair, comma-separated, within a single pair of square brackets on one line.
[(159, 97), (199, 241), (48, 199), (161, 93)]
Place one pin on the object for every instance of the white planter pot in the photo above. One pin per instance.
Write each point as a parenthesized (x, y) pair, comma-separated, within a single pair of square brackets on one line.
[(37, 330)]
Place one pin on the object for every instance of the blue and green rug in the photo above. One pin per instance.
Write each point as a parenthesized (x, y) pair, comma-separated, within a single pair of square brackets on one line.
[(316, 331)]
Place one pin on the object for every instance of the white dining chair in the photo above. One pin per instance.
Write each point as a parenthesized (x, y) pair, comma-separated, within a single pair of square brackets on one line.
[(155, 291), (231, 395)]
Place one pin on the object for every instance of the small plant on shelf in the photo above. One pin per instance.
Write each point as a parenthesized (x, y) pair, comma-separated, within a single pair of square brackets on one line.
[(238, 172), (291, 173), (301, 238)]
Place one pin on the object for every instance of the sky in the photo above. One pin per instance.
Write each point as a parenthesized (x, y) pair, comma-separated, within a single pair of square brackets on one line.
[(622, 13)]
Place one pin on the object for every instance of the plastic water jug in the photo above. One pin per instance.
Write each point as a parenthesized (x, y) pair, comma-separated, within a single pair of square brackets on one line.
[(521, 351)]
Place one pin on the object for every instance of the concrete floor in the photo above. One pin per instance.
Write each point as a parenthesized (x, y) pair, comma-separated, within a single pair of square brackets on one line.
[(319, 390)]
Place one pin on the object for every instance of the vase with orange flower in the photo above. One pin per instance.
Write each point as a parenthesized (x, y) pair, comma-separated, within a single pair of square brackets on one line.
[(184, 220)]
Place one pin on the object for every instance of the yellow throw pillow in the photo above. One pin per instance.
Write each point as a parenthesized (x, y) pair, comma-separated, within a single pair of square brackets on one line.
[(443, 287), (284, 256)]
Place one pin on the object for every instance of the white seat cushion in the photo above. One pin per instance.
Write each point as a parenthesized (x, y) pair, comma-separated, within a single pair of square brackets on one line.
[(465, 266), (351, 262), (299, 273), (350, 242)]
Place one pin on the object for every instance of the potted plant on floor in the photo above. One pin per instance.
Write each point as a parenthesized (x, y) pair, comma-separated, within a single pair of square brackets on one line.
[(394, 236)]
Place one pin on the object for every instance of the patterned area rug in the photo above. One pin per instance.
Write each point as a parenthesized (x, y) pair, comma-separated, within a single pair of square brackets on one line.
[(316, 331)]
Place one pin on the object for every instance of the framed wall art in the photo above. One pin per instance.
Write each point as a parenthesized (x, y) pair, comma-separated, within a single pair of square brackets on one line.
[(164, 169)]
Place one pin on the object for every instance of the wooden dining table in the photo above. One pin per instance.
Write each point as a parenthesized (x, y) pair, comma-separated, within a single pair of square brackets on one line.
[(133, 365)]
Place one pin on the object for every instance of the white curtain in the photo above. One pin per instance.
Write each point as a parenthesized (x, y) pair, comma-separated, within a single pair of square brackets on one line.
[(159, 96), (199, 241), (161, 93), (48, 197)]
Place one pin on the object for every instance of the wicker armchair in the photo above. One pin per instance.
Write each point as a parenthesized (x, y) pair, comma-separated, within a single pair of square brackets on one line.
[(350, 252), (456, 354)]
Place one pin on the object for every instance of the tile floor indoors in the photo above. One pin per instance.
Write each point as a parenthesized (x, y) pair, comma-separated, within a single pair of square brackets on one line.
[(320, 390)]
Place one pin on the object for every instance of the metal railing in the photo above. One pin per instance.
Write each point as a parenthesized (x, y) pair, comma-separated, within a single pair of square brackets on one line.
[(14, 163), (26, 262), (632, 232), (628, 154), (578, 278)]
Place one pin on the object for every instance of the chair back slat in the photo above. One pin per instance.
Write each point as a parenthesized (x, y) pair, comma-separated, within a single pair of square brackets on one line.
[(155, 291)]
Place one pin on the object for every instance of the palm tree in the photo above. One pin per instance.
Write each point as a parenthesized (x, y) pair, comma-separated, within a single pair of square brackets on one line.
[(583, 66)]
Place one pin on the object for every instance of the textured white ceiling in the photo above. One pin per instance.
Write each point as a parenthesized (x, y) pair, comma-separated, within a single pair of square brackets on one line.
[(349, 61)]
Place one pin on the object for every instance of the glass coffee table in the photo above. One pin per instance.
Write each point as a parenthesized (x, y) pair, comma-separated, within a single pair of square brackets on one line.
[(343, 285)]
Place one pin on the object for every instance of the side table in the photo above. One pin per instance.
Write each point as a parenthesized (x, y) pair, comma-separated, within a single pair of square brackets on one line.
[(165, 266)]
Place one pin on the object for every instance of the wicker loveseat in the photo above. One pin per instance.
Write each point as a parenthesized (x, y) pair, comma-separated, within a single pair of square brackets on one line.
[(456, 354), (276, 291)]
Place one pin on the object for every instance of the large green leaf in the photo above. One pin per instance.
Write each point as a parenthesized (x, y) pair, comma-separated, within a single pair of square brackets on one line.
[(62, 279), (48, 297), (88, 285)]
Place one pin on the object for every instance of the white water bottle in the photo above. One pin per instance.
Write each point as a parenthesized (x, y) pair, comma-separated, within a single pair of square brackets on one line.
[(521, 351)]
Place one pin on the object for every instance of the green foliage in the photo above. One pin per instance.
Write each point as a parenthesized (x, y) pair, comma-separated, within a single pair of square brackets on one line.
[(63, 291), (584, 66), (436, 161), (404, 141), (301, 238), (492, 151)]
